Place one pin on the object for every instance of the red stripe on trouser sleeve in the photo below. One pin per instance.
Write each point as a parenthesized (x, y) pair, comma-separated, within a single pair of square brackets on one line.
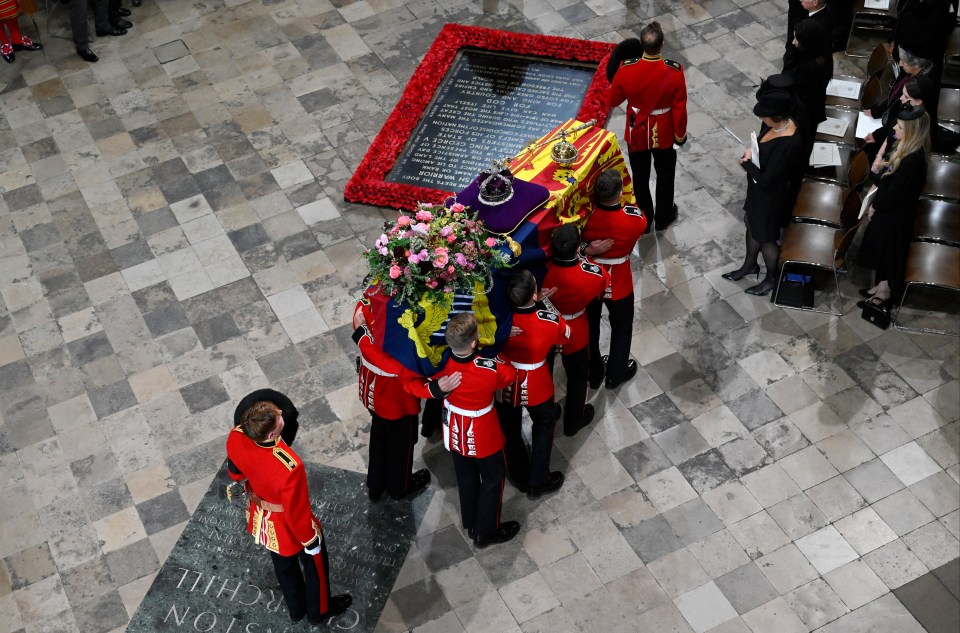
[(318, 564)]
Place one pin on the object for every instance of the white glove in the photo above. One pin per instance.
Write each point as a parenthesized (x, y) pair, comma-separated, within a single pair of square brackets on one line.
[(675, 146), (312, 551)]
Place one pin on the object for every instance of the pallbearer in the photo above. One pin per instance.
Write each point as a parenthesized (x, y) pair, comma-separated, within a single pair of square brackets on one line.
[(577, 281), (537, 331), (612, 231), (471, 431), (279, 516), (393, 413)]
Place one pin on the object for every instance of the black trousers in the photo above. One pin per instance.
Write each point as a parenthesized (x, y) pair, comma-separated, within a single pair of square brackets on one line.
[(665, 162), (533, 469), (620, 313), (304, 581), (391, 454), (105, 13), (577, 367), (432, 418), (480, 484)]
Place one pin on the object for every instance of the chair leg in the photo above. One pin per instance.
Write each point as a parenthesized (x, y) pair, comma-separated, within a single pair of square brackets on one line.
[(836, 279), (921, 330)]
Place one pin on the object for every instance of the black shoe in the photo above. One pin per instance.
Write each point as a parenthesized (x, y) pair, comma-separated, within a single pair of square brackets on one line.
[(137, 3), (338, 604), (661, 225), (27, 45), (588, 412), (596, 381), (556, 480), (740, 273), (297, 617), (506, 531), (111, 31), (122, 24), (87, 55), (374, 495), (418, 481), (472, 534), (6, 51), (123, 13), (763, 288), (632, 368)]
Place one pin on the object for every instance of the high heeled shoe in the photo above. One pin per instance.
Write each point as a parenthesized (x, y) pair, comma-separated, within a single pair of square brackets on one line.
[(763, 288), (740, 273)]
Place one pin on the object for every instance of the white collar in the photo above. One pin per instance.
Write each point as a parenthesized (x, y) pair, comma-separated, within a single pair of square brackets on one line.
[(810, 14)]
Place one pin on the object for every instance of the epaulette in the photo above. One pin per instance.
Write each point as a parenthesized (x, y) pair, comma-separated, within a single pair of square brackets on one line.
[(285, 458), (632, 210), (590, 268), (672, 64), (486, 363), (627, 62), (546, 315)]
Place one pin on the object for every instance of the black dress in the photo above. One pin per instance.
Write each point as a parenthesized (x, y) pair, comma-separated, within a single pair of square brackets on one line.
[(811, 73), (770, 188), (887, 238)]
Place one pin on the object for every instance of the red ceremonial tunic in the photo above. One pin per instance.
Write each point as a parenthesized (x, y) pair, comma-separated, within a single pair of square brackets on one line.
[(624, 225), (578, 282), (470, 423), (542, 329), (9, 9), (275, 473), (382, 379), (656, 95)]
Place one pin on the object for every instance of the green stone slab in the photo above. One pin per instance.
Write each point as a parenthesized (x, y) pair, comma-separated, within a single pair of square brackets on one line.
[(217, 580)]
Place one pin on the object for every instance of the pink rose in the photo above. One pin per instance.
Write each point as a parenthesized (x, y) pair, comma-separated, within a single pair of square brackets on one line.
[(395, 272), (414, 258), (403, 221), (490, 242), (451, 269), (445, 231), (451, 239), (421, 227), (440, 257), (383, 250), (457, 208), (424, 215), (432, 283), (461, 259)]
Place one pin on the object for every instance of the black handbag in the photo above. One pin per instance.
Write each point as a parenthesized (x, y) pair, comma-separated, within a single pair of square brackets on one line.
[(877, 314)]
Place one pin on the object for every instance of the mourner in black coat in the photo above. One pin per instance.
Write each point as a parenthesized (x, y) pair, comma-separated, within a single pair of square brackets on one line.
[(898, 180), (809, 61)]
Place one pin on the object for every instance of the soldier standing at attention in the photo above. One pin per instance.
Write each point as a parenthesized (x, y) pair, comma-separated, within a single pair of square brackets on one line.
[(656, 95), (612, 231), (538, 331), (279, 516), (577, 281)]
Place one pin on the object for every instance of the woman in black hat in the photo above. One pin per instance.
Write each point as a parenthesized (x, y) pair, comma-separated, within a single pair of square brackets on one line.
[(769, 187), (898, 179)]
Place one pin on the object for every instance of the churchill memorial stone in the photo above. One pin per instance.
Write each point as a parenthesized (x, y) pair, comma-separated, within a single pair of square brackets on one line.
[(217, 580), (489, 105)]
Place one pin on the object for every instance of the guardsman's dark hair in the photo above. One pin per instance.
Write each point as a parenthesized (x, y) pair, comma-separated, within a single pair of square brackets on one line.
[(259, 420), (566, 241), (461, 332), (520, 288), (652, 38), (609, 185)]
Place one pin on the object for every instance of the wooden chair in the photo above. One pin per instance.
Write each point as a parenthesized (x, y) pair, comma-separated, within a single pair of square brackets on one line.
[(948, 108), (933, 266), (937, 221), (835, 216), (820, 247), (850, 136), (849, 174), (871, 94), (951, 61), (943, 180), (879, 60), (864, 19)]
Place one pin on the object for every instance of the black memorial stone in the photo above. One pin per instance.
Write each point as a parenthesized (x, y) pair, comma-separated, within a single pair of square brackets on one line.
[(217, 580), (489, 105)]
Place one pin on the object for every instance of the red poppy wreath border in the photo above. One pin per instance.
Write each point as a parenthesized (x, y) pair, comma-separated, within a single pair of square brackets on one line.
[(367, 185)]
